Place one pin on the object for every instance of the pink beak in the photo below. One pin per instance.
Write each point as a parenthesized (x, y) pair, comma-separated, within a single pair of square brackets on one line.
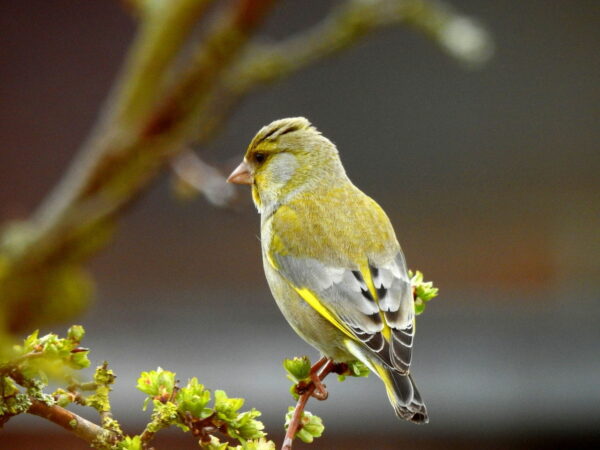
[(241, 175)]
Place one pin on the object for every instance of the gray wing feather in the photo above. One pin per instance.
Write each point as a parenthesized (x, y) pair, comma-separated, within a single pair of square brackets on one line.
[(345, 293)]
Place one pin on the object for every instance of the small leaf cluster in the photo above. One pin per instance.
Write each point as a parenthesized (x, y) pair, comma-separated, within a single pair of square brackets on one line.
[(311, 426), (190, 408), (298, 372), (423, 290), (354, 369), (26, 369)]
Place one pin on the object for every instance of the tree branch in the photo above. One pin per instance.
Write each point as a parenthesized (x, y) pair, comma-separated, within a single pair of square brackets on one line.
[(294, 426), (262, 63), (83, 428), (133, 141), (155, 112)]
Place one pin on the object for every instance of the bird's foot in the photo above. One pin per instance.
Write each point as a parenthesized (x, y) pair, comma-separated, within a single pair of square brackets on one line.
[(320, 392)]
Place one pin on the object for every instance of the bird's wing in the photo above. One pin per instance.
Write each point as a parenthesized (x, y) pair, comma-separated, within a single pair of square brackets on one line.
[(372, 304)]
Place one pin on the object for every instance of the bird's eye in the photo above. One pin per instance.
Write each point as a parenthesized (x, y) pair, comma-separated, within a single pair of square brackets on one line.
[(259, 157)]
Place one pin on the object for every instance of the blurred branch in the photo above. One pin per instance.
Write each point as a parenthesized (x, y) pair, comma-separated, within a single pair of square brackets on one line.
[(134, 139), (157, 108), (459, 35), (262, 63)]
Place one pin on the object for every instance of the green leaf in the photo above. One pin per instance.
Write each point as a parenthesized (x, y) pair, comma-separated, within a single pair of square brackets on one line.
[(130, 443), (157, 383), (215, 444), (193, 399), (311, 426), (76, 333), (79, 360), (246, 427), (423, 291), (297, 368), (225, 407), (30, 342), (260, 444)]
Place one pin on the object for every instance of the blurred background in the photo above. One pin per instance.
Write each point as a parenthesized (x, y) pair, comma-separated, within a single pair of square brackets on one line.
[(491, 178)]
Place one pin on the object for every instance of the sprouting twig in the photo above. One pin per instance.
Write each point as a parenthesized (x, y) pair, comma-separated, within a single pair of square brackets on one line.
[(328, 367)]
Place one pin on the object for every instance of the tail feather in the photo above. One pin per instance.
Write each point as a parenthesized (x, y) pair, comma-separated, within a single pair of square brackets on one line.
[(406, 399), (401, 389)]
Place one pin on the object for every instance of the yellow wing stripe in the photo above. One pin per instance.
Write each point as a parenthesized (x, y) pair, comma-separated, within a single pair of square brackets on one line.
[(366, 274), (314, 302), (387, 382)]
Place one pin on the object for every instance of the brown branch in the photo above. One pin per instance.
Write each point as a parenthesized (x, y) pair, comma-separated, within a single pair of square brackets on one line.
[(328, 366), (141, 134), (83, 428), (135, 138)]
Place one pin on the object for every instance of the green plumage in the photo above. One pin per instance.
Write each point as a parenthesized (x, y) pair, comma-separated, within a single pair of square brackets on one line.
[(331, 258)]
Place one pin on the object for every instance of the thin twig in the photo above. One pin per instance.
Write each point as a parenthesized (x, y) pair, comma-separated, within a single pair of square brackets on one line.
[(294, 425)]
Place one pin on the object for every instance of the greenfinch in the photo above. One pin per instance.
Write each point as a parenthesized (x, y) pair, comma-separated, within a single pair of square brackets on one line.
[(331, 257)]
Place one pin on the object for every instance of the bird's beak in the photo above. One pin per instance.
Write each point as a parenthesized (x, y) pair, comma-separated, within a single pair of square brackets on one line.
[(241, 175)]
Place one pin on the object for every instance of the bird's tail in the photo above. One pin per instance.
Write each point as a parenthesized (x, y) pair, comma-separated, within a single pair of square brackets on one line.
[(401, 389), (403, 394)]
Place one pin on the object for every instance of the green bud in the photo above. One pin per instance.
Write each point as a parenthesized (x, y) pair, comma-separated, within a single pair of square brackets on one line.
[(424, 291), (51, 351), (215, 444), (246, 427), (157, 382), (419, 306), (260, 444), (103, 375), (31, 342), (130, 443), (311, 426), (297, 368), (76, 333), (79, 360), (358, 369), (193, 399), (225, 407)]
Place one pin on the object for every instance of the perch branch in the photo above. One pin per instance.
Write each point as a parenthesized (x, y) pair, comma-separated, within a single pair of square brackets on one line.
[(328, 366)]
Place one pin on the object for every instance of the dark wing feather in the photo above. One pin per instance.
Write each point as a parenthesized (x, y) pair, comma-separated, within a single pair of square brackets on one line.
[(367, 313)]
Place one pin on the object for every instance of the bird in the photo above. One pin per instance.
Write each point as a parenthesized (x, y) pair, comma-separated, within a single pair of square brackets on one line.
[(331, 258)]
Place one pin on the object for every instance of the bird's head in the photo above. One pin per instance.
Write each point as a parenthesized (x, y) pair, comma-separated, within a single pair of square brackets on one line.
[(287, 157)]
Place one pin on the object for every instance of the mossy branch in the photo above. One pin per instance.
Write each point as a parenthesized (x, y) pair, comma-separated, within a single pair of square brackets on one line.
[(26, 369)]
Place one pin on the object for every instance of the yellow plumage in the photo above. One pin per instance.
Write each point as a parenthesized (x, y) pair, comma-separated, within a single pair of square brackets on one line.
[(331, 257)]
